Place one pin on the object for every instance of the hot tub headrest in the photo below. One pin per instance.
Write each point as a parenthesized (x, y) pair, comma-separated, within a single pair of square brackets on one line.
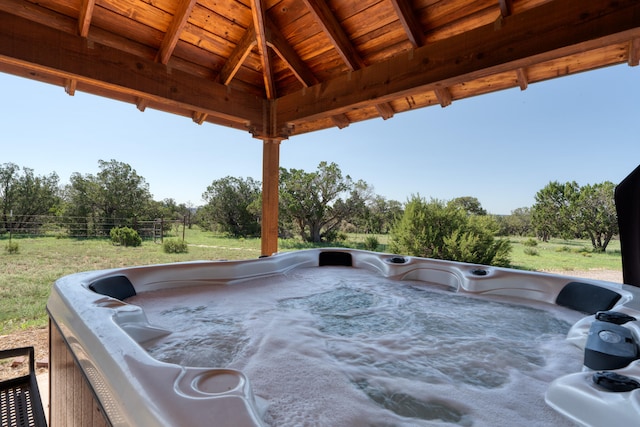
[(118, 287), (335, 258), (587, 298)]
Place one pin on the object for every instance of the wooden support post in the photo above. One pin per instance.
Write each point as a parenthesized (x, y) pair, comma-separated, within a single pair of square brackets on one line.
[(270, 180)]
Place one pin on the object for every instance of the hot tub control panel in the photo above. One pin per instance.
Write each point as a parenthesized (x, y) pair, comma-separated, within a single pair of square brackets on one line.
[(609, 344)]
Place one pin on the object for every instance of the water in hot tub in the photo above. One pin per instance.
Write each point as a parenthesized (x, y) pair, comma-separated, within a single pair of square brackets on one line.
[(354, 349)]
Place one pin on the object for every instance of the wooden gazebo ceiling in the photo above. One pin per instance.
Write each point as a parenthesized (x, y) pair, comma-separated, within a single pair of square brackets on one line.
[(277, 68)]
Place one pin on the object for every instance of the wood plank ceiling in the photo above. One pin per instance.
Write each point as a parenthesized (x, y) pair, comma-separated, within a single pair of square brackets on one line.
[(278, 68)]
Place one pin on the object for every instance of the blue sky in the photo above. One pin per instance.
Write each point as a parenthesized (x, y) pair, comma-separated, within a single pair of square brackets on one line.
[(500, 148)]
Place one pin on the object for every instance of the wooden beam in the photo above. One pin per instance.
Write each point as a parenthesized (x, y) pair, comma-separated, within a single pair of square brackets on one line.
[(549, 31), (39, 48), (199, 117), (340, 41), (523, 80), (141, 104), (270, 183), (70, 87), (407, 18), (283, 49), (239, 54), (84, 19), (444, 96), (385, 110), (176, 26), (338, 38), (341, 120), (634, 52), (258, 14), (505, 7)]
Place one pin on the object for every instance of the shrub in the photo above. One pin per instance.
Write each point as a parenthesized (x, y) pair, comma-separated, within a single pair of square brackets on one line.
[(125, 236), (531, 251), (371, 243), (436, 230), (12, 248), (530, 242), (173, 246)]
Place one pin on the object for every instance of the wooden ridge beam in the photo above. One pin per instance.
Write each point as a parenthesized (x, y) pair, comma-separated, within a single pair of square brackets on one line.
[(33, 46), (549, 31), (258, 14)]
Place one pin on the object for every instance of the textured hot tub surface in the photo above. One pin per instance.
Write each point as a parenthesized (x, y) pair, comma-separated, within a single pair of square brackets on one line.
[(363, 339)]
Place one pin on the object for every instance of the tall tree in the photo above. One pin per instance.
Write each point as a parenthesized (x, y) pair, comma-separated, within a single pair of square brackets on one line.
[(231, 205), (518, 223), (25, 197), (596, 214), (124, 195), (469, 204), (553, 213), (117, 196), (314, 200)]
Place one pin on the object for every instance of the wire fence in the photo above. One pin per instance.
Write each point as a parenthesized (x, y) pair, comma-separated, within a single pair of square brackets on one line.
[(83, 227)]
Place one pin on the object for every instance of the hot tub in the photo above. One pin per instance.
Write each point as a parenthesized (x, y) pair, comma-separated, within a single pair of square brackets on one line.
[(342, 338)]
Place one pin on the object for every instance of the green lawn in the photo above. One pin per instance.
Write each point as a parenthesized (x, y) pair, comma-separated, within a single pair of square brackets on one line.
[(26, 277)]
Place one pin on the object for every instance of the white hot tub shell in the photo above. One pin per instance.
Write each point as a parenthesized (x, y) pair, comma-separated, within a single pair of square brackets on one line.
[(102, 372)]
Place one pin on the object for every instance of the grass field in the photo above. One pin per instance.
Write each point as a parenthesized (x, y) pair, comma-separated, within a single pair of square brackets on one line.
[(26, 276)]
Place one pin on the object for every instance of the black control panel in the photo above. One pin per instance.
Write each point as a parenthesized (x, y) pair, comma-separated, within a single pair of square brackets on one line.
[(609, 346)]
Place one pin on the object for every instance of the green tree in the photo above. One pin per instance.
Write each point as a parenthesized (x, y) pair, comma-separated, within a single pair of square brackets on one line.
[(518, 223), (81, 205), (596, 214), (117, 196), (553, 213), (231, 206), (124, 195), (25, 198), (469, 204), (442, 230), (313, 201)]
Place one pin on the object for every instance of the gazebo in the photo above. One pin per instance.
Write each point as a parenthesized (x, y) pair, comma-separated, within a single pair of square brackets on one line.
[(279, 68)]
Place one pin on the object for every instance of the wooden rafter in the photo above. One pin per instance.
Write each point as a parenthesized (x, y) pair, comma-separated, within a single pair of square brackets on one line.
[(283, 49), (341, 121), (444, 96), (172, 35), (259, 17), (409, 22), (239, 54), (70, 87), (141, 104), (523, 81), (545, 33), (199, 117), (634, 52), (331, 27), (340, 41), (84, 19), (42, 49)]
